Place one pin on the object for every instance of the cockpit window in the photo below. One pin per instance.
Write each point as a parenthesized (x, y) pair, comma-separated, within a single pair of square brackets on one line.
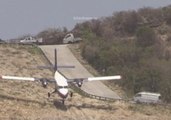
[(62, 86), (68, 36), (138, 95)]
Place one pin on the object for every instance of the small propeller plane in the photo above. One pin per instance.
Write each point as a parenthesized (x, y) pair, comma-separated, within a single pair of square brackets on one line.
[(60, 81)]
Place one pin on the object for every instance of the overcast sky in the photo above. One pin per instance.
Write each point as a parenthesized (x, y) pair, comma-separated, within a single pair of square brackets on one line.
[(19, 17)]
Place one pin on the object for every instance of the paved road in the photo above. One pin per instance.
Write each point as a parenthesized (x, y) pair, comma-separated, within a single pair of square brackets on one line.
[(65, 57)]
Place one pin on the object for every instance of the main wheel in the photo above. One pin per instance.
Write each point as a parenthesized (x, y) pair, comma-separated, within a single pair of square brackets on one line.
[(48, 95), (71, 94)]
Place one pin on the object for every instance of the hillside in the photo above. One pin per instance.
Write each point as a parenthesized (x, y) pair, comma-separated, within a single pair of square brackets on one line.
[(28, 101), (135, 44)]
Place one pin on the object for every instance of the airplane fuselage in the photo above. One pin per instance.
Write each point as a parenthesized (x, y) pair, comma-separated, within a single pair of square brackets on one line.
[(61, 85)]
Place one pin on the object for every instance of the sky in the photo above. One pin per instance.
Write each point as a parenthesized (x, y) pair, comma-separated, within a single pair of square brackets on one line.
[(21, 17)]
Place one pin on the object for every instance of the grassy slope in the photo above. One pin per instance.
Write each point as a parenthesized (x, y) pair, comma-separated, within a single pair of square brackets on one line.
[(25, 100)]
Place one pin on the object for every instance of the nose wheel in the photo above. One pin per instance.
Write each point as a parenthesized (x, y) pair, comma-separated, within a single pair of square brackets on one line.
[(63, 102)]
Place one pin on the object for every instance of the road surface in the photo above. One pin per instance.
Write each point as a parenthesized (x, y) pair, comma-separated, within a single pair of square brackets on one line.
[(65, 57)]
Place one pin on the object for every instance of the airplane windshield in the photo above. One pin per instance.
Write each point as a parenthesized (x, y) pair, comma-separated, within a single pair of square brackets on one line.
[(62, 86)]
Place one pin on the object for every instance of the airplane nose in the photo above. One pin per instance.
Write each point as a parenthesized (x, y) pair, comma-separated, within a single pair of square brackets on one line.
[(63, 92)]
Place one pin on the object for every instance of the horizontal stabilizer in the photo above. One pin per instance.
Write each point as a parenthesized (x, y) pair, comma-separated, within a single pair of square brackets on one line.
[(45, 67), (53, 67), (66, 66)]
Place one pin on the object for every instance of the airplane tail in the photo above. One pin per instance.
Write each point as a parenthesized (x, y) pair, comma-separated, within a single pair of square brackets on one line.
[(55, 67)]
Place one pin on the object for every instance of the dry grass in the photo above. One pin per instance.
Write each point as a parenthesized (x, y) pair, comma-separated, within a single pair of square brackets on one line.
[(28, 101)]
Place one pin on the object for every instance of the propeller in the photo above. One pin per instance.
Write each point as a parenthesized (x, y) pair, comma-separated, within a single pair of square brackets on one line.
[(44, 82), (79, 82)]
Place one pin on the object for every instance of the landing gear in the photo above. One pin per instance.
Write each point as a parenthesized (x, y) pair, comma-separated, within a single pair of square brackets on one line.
[(49, 94), (63, 102), (71, 94)]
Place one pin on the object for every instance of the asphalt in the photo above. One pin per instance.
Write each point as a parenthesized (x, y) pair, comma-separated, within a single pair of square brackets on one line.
[(65, 57)]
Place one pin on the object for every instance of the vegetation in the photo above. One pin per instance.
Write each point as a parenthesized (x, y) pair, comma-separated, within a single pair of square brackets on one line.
[(132, 44), (135, 44), (52, 35)]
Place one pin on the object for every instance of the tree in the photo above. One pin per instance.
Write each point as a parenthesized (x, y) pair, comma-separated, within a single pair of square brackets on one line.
[(145, 37), (130, 22), (53, 35), (167, 14), (151, 16)]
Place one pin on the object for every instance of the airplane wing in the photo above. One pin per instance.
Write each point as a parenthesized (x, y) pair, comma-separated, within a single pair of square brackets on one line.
[(79, 81), (44, 81), (117, 77), (18, 78)]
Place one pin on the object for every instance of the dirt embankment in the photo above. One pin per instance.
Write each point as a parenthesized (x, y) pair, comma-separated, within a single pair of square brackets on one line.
[(28, 101)]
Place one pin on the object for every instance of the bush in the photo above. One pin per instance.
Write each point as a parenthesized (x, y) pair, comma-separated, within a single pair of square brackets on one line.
[(141, 59), (127, 22), (53, 36), (145, 37), (167, 14)]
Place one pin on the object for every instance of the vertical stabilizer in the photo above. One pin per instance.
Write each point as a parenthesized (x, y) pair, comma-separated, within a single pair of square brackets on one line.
[(55, 68)]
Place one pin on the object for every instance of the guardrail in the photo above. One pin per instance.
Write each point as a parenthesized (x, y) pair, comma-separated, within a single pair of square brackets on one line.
[(82, 92)]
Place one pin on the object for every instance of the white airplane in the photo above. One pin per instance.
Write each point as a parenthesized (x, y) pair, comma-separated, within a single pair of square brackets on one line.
[(61, 82)]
